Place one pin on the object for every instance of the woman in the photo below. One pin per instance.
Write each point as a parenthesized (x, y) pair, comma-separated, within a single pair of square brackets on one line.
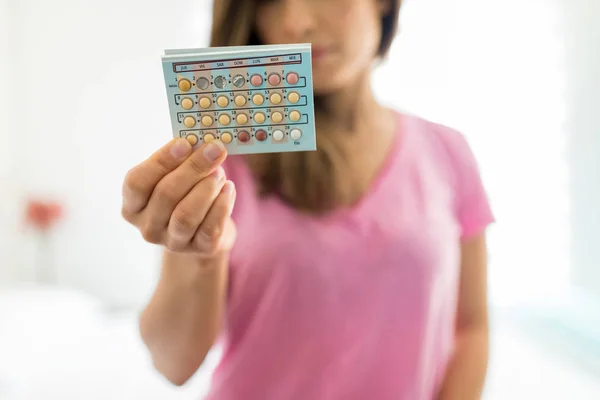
[(354, 272)]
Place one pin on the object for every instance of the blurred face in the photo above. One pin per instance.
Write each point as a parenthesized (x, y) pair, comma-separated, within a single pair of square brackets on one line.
[(345, 35)]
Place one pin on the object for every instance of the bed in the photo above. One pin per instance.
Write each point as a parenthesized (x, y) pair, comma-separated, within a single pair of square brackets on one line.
[(61, 344), (57, 343)]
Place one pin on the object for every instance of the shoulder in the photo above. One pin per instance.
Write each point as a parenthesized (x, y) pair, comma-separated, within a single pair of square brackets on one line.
[(448, 144), (451, 151)]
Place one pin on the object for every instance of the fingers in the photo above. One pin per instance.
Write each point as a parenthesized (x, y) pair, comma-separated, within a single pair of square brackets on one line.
[(168, 175), (210, 233), (180, 198), (174, 187), (141, 180), (183, 222)]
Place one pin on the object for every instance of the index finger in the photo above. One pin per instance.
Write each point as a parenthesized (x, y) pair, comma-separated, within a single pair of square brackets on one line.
[(141, 179)]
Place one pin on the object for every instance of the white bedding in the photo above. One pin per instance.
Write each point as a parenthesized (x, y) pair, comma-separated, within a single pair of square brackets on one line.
[(58, 344)]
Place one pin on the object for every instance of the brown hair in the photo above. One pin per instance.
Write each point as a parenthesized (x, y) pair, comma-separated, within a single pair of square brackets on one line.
[(309, 181)]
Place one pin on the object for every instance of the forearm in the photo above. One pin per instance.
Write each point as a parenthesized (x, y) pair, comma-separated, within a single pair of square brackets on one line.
[(466, 374), (184, 316)]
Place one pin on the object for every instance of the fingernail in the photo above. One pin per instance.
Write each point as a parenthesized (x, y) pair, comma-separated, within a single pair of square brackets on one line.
[(228, 187), (180, 148), (220, 173), (213, 150)]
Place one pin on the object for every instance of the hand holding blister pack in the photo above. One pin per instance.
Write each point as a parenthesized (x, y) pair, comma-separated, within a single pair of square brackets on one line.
[(254, 99)]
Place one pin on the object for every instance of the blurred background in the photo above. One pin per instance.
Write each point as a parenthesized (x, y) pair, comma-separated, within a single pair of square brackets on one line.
[(82, 100)]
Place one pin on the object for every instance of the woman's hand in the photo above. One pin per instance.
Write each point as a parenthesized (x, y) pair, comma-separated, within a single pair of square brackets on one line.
[(182, 200)]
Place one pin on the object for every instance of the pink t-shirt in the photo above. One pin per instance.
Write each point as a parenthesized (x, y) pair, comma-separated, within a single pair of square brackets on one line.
[(359, 304)]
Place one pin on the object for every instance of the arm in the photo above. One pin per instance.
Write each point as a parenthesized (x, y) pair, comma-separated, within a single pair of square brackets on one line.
[(467, 370), (180, 199), (183, 318)]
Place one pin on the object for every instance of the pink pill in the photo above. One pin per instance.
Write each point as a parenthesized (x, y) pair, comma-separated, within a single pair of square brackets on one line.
[(292, 78), (274, 79), (256, 80), (261, 135), (243, 136)]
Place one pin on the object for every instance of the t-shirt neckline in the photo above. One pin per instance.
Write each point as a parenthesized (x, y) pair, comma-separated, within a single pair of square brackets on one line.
[(393, 155)]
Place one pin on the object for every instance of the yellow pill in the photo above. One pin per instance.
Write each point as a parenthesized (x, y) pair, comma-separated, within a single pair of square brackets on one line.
[(187, 103), (184, 85), (259, 118), (193, 139), (293, 97), (240, 101), (189, 122), (277, 117), (258, 99), (208, 137), (226, 138), (207, 121), (276, 98), (295, 116), (224, 119), (205, 102), (241, 119), (222, 101)]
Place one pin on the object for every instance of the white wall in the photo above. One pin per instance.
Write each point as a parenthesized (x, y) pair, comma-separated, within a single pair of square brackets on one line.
[(92, 104), (496, 71), (583, 129), (89, 74), (8, 201), (4, 96)]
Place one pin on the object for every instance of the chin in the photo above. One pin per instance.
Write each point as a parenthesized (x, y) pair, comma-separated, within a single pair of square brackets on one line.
[(328, 82), (333, 74), (325, 89)]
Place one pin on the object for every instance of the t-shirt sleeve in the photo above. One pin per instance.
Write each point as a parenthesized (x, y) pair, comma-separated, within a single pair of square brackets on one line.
[(473, 209)]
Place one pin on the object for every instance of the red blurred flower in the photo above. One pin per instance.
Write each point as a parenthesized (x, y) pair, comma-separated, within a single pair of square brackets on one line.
[(42, 215)]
